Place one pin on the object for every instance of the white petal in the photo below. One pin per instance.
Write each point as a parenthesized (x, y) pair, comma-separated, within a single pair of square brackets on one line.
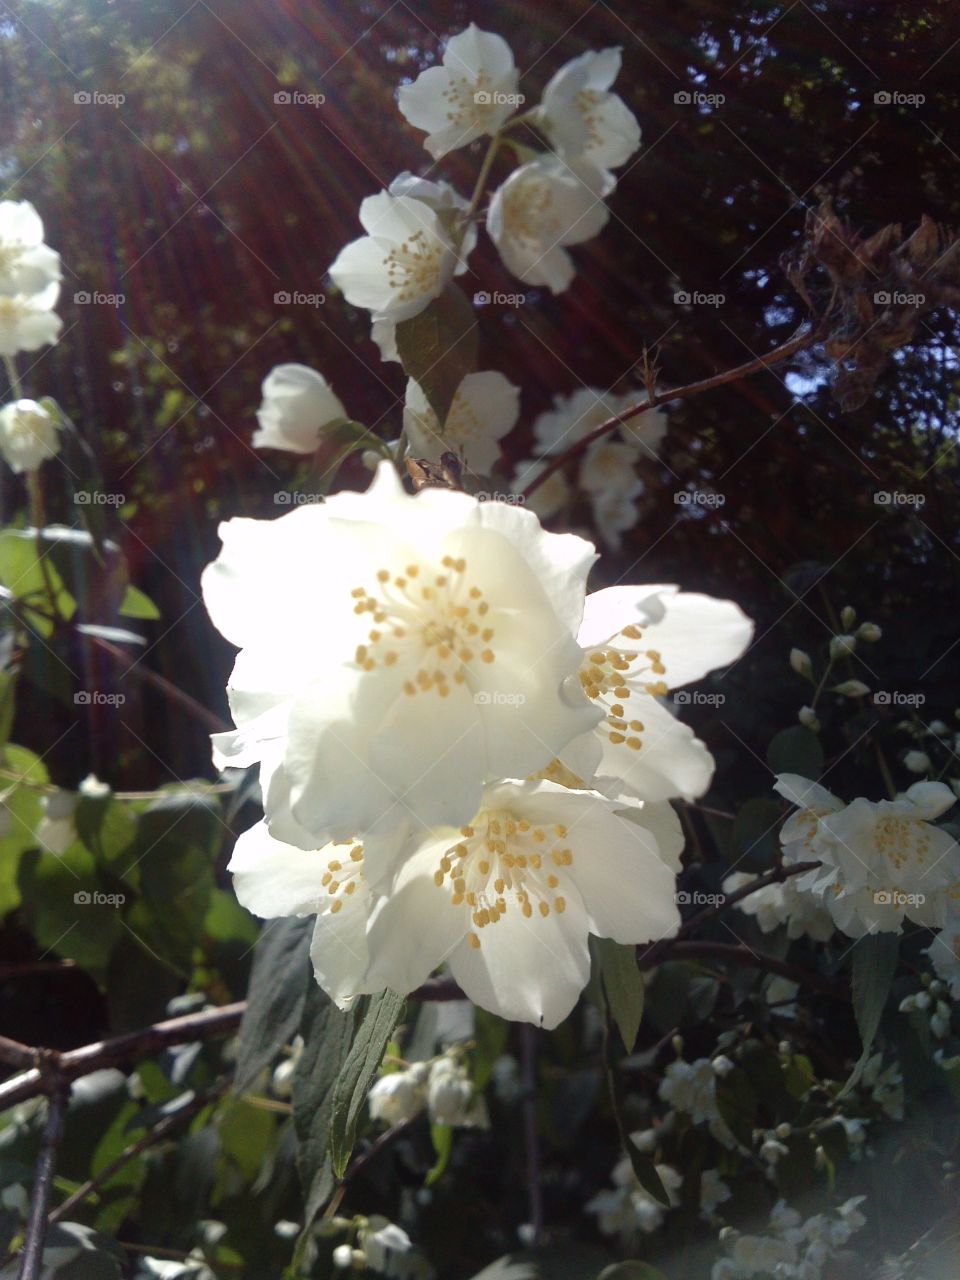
[(671, 762), (274, 879), (339, 946)]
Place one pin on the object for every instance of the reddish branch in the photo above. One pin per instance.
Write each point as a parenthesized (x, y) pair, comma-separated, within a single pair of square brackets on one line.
[(805, 338)]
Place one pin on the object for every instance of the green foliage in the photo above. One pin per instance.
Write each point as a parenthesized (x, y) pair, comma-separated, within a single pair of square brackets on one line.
[(623, 987), (438, 348)]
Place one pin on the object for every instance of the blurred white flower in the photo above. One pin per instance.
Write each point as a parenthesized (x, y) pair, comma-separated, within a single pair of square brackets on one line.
[(544, 205), (880, 861), (713, 1192), (485, 407), (800, 662), (28, 435), (548, 499), (449, 1092), (473, 93), (582, 119), (917, 762), (691, 1087), (809, 719), (627, 1207), (782, 904), (28, 321), (639, 643), (27, 265), (885, 1085), (509, 899), (396, 651), (396, 1097), (56, 831), (403, 262), (449, 206), (297, 404)]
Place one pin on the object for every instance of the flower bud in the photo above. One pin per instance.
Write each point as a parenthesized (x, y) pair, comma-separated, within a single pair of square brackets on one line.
[(448, 1093), (394, 1098), (851, 689), (869, 631), (808, 717), (800, 662), (783, 1131), (840, 646), (848, 617), (343, 1257), (917, 762)]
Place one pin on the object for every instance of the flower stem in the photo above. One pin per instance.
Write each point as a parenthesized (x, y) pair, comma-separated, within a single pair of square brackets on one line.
[(485, 166)]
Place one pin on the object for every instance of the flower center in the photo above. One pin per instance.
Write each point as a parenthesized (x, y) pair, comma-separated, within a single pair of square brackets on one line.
[(439, 624), (585, 101), (343, 874), (413, 266), (504, 861), (528, 214), (901, 840), (470, 100), (611, 676)]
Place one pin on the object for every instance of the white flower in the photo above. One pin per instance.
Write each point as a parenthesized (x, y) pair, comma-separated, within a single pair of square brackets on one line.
[(582, 119), (485, 407), (691, 1087), (56, 831), (713, 1191), (549, 497), (473, 93), (575, 415), (778, 904), (628, 1208), (880, 860), (449, 1092), (297, 404), (944, 953), (28, 321), (93, 788), (396, 651), (27, 265), (772, 1150), (403, 262), (449, 205), (917, 762), (639, 643), (28, 435), (388, 1248), (509, 899), (886, 1086), (544, 205), (395, 1097)]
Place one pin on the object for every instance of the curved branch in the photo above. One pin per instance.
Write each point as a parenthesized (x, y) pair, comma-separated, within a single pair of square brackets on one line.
[(805, 338), (32, 1257)]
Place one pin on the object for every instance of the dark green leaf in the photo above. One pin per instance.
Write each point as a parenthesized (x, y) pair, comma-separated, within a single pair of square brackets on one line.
[(438, 348), (281, 965), (796, 750), (137, 605), (754, 836), (623, 985), (874, 964), (375, 1025)]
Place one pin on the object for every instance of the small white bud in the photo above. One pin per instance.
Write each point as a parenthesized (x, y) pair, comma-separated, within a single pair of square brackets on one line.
[(722, 1065), (808, 717), (851, 688), (869, 631), (343, 1257), (783, 1131), (848, 617), (840, 646), (917, 762), (908, 1004), (800, 662), (921, 1000)]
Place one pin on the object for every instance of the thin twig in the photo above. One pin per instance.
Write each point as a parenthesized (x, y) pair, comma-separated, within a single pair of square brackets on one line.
[(32, 1257), (805, 338), (735, 953), (531, 1132), (169, 690)]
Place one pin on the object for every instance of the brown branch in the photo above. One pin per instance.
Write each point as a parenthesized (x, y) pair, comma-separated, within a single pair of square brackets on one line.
[(169, 690), (734, 953), (32, 1258), (805, 338)]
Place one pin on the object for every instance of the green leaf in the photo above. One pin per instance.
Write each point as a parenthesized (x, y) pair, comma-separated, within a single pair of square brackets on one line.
[(644, 1167), (754, 835), (375, 1025), (442, 1137), (8, 686), (245, 1135), (874, 964), (623, 985), (438, 348), (137, 605), (23, 575), (632, 1270), (281, 965), (796, 750)]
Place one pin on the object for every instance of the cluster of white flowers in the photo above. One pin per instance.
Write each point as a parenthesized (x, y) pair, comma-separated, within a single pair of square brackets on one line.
[(29, 288), (383, 1247), (442, 1086), (476, 748), (931, 1003), (880, 861), (627, 1208), (793, 1249), (782, 904), (607, 470)]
